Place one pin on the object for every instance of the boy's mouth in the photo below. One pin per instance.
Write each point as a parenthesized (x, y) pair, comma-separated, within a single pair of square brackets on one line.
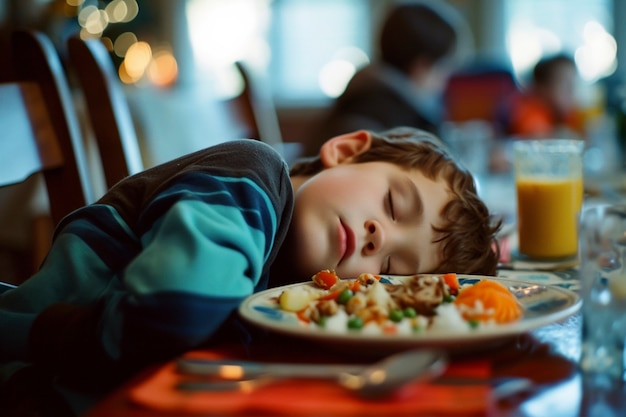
[(346, 241)]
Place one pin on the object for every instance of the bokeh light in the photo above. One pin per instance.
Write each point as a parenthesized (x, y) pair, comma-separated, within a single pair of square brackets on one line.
[(597, 57), (94, 21), (121, 11), (117, 11), (527, 44), (125, 77), (335, 74), (222, 32), (163, 69), (123, 42), (137, 59)]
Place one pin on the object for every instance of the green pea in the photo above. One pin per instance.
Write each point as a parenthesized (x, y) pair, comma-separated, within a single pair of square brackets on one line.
[(473, 323), (344, 296), (409, 312), (448, 298), (355, 323), (396, 315), (322, 321)]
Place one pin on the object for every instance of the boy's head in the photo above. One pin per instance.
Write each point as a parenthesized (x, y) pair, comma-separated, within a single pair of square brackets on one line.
[(393, 202), (554, 79), (426, 41), (416, 31)]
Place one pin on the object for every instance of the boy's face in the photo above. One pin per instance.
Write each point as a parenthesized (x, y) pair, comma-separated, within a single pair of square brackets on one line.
[(368, 217)]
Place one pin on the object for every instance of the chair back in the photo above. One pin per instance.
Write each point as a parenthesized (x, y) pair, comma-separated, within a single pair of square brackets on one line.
[(107, 109), (40, 126), (255, 108), (478, 92)]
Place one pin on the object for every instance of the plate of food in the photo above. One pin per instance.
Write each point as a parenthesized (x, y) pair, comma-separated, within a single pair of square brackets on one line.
[(383, 314)]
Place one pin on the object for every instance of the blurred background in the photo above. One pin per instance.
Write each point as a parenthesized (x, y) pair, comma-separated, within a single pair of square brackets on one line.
[(175, 58)]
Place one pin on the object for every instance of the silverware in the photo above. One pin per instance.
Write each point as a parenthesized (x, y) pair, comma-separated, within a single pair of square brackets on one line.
[(369, 381)]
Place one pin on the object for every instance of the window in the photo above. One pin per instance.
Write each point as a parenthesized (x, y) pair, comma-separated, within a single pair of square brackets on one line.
[(580, 27), (317, 46)]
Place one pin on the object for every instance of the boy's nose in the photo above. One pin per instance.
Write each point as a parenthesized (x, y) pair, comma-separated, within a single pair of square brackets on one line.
[(374, 237)]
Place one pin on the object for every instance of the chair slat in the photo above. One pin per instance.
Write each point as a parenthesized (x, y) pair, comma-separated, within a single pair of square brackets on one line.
[(36, 60), (107, 109)]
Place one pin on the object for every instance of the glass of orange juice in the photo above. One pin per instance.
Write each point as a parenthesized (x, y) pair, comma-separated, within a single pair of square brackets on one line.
[(549, 184)]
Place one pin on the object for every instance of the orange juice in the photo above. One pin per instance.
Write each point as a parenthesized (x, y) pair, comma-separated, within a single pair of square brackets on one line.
[(547, 215)]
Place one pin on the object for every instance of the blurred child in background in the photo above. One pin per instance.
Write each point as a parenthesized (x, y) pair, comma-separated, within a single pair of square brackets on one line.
[(548, 108)]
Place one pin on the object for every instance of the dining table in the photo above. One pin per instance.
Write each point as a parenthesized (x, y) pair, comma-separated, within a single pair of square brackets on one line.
[(545, 359)]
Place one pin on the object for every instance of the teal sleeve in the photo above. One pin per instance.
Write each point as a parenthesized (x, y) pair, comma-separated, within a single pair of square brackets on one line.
[(198, 248)]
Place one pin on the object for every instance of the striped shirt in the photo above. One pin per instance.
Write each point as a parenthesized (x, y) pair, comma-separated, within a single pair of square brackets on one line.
[(154, 267)]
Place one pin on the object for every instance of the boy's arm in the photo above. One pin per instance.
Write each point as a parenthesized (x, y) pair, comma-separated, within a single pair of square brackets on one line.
[(202, 253)]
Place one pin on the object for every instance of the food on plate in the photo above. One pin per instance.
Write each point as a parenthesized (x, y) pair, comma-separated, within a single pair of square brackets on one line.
[(488, 300), (374, 304), (325, 279)]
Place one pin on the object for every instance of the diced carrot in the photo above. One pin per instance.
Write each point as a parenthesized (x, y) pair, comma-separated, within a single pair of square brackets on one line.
[(303, 315), (354, 285), (325, 279), (498, 303), (390, 329), (452, 282)]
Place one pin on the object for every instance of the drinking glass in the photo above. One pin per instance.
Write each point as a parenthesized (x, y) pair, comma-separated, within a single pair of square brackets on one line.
[(549, 184), (603, 289)]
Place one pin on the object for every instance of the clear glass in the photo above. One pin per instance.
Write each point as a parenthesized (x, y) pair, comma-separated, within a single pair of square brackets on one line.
[(603, 288), (549, 186)]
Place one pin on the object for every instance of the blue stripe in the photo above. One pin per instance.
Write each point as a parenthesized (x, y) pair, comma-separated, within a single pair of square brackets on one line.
[(200, 248), (104, 231), (242, 193), (267, 204)]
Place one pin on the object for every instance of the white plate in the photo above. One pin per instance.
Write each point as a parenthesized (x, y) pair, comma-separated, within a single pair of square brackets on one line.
[(544, 304)]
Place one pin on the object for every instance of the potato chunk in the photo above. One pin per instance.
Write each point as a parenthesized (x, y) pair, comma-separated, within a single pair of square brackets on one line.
[(295, 299)]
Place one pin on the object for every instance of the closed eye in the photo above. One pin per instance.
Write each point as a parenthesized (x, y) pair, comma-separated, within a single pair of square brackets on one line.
[(391, 209)]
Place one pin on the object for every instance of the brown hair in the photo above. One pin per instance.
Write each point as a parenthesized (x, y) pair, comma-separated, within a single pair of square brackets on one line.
[(414, 31), (468, 234), (546, 71)]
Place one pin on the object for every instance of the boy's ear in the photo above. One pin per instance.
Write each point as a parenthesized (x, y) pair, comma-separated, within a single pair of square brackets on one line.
[(343, 148)]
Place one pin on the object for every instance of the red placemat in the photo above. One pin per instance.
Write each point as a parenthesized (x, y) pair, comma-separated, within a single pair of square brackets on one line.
[(308, 397)]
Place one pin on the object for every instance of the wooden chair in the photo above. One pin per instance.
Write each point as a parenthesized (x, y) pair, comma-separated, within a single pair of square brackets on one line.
[(40, 133), (31, 146), (38, 67), (254, 108), (107, 109)]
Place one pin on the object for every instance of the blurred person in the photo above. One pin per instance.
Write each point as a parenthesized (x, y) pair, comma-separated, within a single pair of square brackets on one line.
[(419, 45), (548, 107), (160, 264)]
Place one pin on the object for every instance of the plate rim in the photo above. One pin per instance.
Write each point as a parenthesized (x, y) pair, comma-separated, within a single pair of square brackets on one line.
[(423, 339)]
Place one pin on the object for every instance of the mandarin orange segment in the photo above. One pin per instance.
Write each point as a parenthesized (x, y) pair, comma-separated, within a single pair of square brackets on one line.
[(498, 303)]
